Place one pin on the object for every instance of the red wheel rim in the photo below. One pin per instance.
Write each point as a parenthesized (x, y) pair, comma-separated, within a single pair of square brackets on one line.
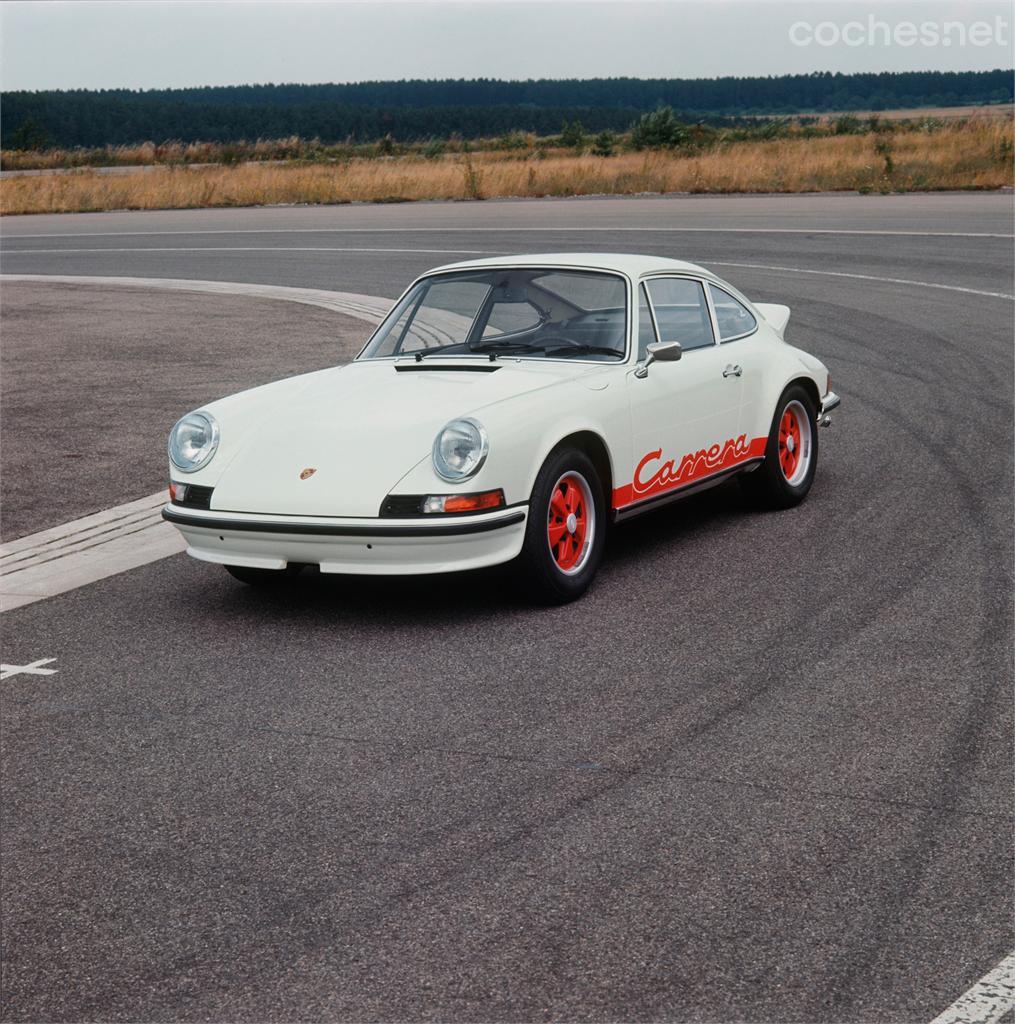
[(790, 450), (567, 525)]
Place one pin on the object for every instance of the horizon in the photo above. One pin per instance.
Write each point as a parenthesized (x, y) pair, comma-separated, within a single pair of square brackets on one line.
[(542, 78)]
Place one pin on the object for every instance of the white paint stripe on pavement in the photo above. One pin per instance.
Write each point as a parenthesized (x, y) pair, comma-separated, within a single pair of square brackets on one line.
[(60, 559), (987, 1001), (371, 308), (864, 277), (450, 229)]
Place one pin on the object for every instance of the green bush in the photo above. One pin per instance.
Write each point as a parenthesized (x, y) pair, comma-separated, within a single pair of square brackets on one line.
[(604, 143), (658, 130), (572, 135), (847, 124), (512, 140)]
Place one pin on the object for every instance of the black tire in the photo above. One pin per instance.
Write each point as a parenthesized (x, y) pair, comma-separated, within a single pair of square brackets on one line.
[(780, 482), (561, 574), (264, 577)]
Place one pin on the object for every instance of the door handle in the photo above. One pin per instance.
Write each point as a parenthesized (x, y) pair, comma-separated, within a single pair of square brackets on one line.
[(732, 371)]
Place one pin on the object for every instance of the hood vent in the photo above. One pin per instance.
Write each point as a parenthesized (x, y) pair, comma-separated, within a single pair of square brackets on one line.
[(437, 368)]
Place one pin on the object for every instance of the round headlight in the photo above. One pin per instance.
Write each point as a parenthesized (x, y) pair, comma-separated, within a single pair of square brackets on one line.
[(460, 449), (193, 441)]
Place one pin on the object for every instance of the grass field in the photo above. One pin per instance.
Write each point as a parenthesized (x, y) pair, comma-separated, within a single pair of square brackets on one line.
[(972, 154)]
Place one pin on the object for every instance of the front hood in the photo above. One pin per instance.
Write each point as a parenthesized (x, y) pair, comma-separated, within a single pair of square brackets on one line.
[(360, 428)]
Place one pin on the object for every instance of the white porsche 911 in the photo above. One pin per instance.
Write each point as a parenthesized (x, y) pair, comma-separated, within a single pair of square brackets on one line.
[(505, 410)]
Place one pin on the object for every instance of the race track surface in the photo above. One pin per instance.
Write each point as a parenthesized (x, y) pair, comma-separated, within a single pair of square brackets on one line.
[(762, 772)]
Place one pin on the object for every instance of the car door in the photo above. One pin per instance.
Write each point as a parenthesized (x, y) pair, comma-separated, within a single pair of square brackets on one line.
[(737, 327), (684, 414)]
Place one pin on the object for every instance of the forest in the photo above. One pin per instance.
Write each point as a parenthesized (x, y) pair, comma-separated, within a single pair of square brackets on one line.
[(409, 111)]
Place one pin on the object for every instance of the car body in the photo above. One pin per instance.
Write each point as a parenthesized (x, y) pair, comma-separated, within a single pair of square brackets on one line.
[(530, 356)]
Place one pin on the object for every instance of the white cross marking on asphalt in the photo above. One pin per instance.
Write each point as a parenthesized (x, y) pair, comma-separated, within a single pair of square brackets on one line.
[(35, 669)]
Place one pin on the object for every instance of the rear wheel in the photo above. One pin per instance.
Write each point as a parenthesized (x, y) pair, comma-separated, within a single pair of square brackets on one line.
[(264, 577), (791, 455), (565, 531)]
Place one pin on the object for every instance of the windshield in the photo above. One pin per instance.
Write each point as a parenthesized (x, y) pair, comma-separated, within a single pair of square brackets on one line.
[(540, 313)]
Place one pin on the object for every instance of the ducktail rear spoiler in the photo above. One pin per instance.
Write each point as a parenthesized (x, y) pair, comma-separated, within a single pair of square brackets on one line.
[(776, 316)]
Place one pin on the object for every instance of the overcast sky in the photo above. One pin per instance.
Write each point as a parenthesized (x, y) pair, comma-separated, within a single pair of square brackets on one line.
[(47, 44)]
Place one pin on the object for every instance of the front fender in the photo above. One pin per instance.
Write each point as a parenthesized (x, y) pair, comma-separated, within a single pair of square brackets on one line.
[(523, 432)]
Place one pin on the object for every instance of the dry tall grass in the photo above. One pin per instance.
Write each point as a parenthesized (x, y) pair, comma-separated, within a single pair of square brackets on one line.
[(974, 154)]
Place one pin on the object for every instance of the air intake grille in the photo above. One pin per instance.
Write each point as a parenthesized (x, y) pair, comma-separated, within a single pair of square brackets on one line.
[(196, 497), (403, 506)]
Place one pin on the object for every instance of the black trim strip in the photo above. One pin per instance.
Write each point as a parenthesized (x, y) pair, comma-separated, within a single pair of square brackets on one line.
[(454, 368), (315, 529), (647, 504)]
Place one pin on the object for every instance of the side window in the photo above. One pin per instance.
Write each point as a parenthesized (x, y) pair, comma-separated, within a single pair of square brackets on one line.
[(733, 317), (646, 329), (681, 312)]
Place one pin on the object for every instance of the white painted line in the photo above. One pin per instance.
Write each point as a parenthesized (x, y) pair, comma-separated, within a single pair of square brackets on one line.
[(6, 671), (865, 277), (371, 308), (450, 229), (85, 550), (239, 248), (987, 1001)]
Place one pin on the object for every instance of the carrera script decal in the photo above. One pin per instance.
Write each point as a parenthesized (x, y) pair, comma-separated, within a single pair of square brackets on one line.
[(655, 475)]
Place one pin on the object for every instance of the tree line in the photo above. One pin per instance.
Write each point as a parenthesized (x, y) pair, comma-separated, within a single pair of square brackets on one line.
[(414, 110)]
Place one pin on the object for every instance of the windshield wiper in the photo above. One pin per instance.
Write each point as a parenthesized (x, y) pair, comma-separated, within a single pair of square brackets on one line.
[(583, 349), (495, 348), (421, 353)]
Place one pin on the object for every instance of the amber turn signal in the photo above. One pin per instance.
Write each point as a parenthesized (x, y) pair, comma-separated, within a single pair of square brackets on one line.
[(454, 503)]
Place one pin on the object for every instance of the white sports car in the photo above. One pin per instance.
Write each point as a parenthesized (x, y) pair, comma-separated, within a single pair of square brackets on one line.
[(505, 410)]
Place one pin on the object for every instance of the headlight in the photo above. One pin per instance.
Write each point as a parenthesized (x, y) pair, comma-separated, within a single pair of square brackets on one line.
[(460, 449), (193, 441)]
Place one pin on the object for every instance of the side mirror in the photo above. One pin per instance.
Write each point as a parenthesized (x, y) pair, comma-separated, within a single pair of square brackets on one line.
[(659, 352)]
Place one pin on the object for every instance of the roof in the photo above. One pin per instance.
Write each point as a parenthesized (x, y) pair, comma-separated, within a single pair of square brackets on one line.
[(624, 263)]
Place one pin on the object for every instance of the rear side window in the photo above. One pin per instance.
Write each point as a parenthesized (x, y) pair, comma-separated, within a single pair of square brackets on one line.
[(681, 312), (733, 317)]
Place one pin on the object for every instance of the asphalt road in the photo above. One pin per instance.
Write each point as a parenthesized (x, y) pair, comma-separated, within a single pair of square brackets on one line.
[(762, 772)]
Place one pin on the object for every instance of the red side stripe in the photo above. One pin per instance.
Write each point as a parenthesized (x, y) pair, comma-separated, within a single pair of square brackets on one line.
[(656, 475)]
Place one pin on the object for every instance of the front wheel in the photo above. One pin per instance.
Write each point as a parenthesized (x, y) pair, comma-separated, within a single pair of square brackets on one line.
[(791, 455), (565, 532)]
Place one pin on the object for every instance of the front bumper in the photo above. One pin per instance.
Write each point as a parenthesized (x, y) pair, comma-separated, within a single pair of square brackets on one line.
[(828, 403), (382, 547)]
